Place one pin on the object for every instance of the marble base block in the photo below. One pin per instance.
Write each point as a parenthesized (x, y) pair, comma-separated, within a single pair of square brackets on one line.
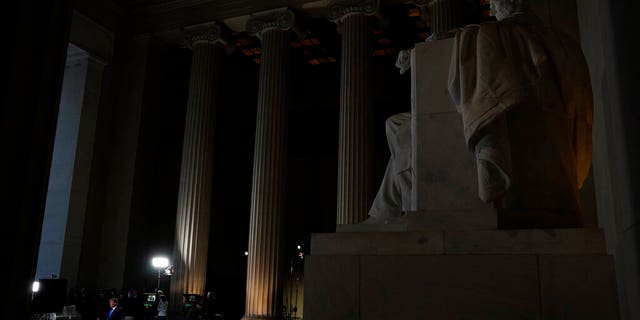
[(491, 274)]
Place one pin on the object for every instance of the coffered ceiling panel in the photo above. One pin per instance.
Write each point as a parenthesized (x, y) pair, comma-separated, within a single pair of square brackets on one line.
[(163, 15)]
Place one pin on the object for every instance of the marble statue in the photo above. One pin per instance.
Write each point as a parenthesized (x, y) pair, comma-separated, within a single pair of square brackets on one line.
[(394, 195), (524, 93)]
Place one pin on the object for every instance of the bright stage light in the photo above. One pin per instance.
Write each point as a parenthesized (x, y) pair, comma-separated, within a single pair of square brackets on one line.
[(160, 262)]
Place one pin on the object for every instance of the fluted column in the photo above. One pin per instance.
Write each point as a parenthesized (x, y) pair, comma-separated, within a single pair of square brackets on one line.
[(194, 199), (267, 199), (355, 154), (445, 15)]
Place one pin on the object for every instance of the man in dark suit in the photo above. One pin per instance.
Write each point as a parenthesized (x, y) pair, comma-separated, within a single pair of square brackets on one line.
[(115, 312)]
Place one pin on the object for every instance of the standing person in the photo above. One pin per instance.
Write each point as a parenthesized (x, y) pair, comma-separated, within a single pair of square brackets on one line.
[(115, 312), (163, 305)]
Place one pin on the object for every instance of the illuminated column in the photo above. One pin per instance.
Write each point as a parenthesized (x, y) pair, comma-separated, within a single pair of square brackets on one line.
[(194, 198), (355, 154), (267, 199)]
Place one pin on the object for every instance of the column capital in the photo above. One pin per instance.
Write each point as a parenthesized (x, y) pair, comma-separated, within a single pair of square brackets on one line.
[(422, 3), (281, 18), (205, 33), (339, 9)]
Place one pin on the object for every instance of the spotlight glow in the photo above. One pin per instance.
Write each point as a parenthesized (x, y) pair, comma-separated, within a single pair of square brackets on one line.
[(160, 262), (35, 287)]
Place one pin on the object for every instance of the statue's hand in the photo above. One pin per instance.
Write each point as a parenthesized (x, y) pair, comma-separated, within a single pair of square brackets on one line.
[(404, 60)]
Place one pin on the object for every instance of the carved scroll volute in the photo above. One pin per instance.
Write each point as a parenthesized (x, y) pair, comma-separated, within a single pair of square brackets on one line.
[(424, 9), (338, 10), (282, 19), (206, 33)]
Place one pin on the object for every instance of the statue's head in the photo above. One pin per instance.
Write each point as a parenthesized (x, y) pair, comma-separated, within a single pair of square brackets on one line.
[(505, 8)]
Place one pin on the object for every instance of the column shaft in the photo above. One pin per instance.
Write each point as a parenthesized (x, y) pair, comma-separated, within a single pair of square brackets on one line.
[(267, 200), (194, 199), (355, 155), (446, 15)]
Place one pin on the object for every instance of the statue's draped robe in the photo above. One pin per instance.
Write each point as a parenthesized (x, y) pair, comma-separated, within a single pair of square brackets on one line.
[(525, 98), (394, 196)]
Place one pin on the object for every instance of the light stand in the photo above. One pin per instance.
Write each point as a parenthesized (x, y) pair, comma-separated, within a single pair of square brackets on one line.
[(159, 277), (159, 263)]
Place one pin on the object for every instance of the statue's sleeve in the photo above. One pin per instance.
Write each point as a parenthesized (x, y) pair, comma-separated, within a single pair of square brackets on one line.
[(491, 148), (493, 68), (462, 73)]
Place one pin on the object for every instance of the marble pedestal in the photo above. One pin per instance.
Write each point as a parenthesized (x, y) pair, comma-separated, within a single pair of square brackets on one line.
[(460, 274)]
